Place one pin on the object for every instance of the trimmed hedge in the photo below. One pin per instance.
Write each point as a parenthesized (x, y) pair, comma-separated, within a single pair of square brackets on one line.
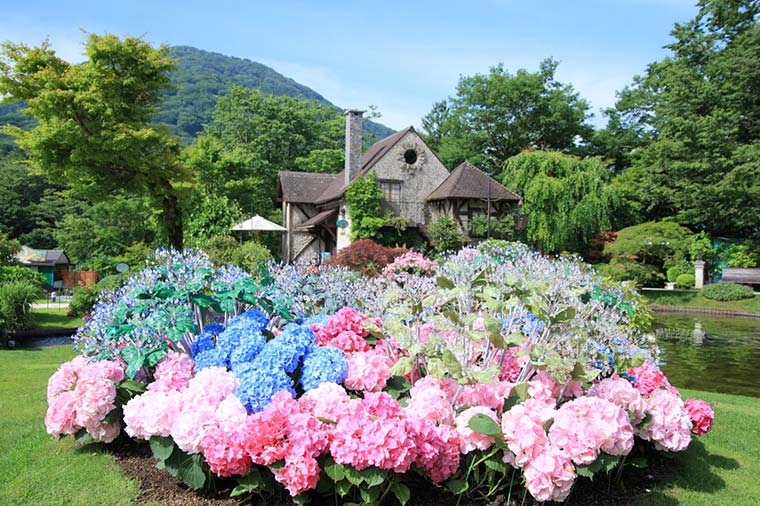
[(727, 291), (685, 280)]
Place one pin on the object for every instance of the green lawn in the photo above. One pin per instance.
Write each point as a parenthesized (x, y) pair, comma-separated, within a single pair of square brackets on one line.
[(695, 299), (48, 317), (36, 468), (718, 469)]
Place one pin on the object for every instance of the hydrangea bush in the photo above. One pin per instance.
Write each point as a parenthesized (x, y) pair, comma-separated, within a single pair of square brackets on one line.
[(492, 368)]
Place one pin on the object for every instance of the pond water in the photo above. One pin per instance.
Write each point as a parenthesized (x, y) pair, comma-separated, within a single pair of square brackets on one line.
[(718, 354)]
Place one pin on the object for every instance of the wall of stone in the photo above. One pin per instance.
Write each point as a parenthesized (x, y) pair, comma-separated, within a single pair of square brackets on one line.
[(418, 179)]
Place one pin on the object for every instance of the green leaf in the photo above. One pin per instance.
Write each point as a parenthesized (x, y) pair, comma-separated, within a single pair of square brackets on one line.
[(373, 476), (134, 358), (83, 437), (353, 476), (445, 283), (521, 391), (515, 339), (584, 471), (342, 487), (403, 367), (397, 386), (132, 386), (484, 425), (565, 315), (154, 357), (457, 487), (162, 447), (192, 473), (369, 495), (451, 362), (436, 367), (335, 471), (497, 465), (580, 373), (401, 492)]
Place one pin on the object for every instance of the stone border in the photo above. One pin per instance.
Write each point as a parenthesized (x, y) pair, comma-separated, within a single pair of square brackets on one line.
[(702, 310)]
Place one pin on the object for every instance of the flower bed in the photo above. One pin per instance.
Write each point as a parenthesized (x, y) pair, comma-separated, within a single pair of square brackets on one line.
[(492, 369)]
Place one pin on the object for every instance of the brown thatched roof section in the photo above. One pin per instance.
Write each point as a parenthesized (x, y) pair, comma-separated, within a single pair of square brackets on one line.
[(369, 158), (302, 187), (469, 182)]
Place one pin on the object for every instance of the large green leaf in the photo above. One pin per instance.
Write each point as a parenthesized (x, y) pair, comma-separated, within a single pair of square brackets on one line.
[(162, 447), (484, 425)]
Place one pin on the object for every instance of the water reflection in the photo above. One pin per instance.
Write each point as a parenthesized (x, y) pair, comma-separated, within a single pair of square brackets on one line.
[(720, 354)]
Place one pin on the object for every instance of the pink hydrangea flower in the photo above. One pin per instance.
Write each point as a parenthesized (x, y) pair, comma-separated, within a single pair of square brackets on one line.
[(649, 378), (470, 440), (80, 395), (152, 414), (173, 372), (429, 401), (670, 425), (491, 395), (701, 415), (621, 393), (550, 475), (583, 427), (344, 330), (524, 434), (367, 371), (223, 440), (544, 388)]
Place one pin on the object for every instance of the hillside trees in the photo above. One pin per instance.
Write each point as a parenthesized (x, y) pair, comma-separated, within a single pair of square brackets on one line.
[(696, 120), (568, 199), (495, 116), (93, 129)]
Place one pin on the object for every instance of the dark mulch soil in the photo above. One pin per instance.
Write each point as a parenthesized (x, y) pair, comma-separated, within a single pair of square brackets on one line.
[(159, 487)]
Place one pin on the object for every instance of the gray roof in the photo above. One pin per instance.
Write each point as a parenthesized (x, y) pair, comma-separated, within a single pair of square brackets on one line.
[(42, 257), (469, 182), (369, 158), (302, 187)]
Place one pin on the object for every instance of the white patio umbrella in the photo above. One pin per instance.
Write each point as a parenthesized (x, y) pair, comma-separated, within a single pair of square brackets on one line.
[(257, 224)]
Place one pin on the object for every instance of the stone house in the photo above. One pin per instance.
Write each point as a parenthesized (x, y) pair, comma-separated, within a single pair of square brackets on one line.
[(414, 182)]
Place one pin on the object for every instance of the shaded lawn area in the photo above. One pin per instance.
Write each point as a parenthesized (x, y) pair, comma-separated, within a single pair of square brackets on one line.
[(718, 469), (50, 317), (695, 299)]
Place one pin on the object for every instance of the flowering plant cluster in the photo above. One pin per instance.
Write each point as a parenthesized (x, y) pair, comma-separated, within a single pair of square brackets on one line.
[(495, 358)]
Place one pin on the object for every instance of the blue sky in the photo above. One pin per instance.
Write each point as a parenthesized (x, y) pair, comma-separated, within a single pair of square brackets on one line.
[(400, 56)]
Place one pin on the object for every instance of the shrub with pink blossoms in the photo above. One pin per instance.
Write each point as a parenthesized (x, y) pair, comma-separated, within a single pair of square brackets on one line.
[(670, 425), (701, 414), (368, 371), (80, 396)]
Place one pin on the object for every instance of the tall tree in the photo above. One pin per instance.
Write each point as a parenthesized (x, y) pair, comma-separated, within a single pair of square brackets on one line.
[(254, 136), (495, 116), (700, 107), (568, 199), (93, 131)]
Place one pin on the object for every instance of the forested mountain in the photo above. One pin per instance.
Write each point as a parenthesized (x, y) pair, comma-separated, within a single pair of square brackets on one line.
[(201, 77)]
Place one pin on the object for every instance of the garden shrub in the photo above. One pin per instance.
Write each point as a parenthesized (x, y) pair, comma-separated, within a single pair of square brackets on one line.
[(249, 256), (16, 300), (502, 227), (365, 256), (726, 291), (19, 274), (624, 269), (680, 267), (8, 250), (685, 281), (445, 235), (83, 300)]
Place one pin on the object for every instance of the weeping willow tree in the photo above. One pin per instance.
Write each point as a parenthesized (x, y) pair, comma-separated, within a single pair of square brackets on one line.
[(568, 199)]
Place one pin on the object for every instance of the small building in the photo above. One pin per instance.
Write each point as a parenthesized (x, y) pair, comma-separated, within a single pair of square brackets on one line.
[(415, 185), (51, 263)]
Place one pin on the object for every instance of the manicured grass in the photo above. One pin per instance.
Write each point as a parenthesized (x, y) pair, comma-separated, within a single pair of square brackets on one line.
[(48, 317), (718, 469), (35, 467), (722, 467), (695, 299)]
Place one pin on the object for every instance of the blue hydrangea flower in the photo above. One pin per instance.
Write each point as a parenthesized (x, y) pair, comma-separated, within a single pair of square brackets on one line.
[(323, 364), (251, 343), (253, 318), (256, 387), (214, 328), (320, 319), (278, 355), (203, 342), (300, 337), (213, 357)]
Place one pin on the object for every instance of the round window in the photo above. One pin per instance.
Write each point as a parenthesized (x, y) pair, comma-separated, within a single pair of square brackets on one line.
[(410, 156)]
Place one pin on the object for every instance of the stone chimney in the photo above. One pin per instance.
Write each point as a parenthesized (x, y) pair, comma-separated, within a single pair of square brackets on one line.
[(353, 145)]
